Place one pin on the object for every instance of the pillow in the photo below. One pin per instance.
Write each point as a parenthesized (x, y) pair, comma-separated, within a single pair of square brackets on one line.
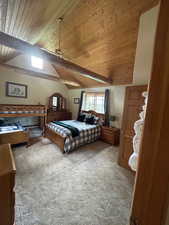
[(96, 120), (2, 121), (81, 117), (101, 121), (90, 120)]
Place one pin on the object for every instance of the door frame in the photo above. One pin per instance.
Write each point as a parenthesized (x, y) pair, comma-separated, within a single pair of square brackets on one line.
[(151, 190)]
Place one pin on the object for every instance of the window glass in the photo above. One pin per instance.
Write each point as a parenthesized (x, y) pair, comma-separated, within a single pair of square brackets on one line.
[(37, 62), (93, 101)]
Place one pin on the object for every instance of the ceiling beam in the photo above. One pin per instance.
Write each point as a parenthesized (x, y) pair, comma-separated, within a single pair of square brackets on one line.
[(72, 77), (30, 72), (39, 75), (27, 48)]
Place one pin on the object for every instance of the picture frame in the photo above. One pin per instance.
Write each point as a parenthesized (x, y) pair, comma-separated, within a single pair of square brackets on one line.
[(76, 100), (16, 90)]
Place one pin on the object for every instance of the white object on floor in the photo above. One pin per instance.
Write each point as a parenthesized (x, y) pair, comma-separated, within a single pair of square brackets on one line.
[(45, 141), (138, 128)]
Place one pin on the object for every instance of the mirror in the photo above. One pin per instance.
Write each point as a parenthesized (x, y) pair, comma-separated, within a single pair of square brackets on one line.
[(57, 102)]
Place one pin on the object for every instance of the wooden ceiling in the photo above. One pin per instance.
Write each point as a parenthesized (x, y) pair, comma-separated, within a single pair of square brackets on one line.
[(96, 34), (32, 20), (102, 35)]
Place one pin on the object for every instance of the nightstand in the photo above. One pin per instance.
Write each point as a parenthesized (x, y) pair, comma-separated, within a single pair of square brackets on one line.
[(110, 135)]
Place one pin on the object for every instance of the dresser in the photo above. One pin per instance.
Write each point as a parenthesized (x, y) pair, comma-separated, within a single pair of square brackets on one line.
[(7, 183), (110, 135), (58, 115)]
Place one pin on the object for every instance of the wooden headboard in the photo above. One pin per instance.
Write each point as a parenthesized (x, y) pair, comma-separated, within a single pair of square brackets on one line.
[(100, 115), (10, 110)]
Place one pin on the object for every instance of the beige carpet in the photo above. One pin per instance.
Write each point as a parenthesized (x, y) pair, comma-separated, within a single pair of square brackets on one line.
[(86, 187)]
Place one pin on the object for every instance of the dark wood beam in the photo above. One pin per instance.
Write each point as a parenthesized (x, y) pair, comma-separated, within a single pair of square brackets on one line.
[(37, 74), (72, 77), (27, 48), (30, 72)]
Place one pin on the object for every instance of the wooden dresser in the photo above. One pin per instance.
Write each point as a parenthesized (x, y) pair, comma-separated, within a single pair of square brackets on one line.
[(7, 183), (110, 135), (58, 115)]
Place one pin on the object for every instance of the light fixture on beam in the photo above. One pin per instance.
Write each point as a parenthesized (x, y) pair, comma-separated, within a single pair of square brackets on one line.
[(71, 83)]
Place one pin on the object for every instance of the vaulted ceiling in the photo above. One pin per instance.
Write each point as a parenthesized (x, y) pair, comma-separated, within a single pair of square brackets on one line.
[(96, 34), (32, 20)]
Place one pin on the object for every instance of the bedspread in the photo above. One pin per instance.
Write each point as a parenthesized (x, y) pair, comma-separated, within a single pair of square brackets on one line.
[(87, 134)]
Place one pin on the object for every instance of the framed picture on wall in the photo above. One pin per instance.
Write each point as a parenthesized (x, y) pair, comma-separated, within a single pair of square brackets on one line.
[(16, 90), (76, 100)]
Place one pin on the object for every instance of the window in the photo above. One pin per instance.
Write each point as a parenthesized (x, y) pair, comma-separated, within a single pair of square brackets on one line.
[(37, 62), (93, 101)]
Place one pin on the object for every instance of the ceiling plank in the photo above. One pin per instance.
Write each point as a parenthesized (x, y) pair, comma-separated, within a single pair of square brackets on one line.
[(27, 48), (102, 36)]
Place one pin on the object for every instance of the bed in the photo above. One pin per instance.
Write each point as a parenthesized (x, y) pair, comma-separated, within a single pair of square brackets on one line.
[(10, 110), (14, 133), (63, 137)]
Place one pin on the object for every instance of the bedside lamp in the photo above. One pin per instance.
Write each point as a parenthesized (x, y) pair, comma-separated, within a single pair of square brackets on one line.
[(112, 118)]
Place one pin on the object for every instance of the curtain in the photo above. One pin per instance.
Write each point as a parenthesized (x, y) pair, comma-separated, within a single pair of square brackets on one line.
[(107, 107), (80, 103)]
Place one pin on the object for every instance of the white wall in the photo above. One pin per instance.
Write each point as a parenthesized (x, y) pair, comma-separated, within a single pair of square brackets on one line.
[(145, 46), (38, 89), (142, 68)]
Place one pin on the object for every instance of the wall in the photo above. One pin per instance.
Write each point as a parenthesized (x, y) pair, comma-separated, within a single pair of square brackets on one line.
[(145, 46), (38, 89), (142, 69)]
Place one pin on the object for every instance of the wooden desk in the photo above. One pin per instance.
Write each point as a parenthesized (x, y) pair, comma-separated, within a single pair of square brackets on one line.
[(7, 183), (110, 135)]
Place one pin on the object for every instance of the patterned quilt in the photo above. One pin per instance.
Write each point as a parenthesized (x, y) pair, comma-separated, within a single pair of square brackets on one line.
[(87, 134)]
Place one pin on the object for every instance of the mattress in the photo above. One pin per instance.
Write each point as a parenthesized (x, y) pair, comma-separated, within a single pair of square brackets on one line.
[(10, 128)]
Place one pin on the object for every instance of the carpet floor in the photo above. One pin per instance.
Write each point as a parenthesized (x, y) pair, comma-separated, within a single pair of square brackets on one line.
[(86, 187)]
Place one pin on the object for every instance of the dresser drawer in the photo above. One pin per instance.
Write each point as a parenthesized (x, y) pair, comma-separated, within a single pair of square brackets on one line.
[(107, 138), (107, 132)]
